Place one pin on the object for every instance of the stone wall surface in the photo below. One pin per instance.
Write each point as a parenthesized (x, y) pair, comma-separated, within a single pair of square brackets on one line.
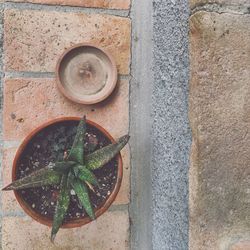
[(194, 3), (219, 118)]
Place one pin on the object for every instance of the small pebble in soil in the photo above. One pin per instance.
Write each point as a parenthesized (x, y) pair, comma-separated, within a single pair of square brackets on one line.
[(72, 192)]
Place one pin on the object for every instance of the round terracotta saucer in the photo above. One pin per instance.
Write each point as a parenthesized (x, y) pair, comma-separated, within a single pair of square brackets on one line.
[(86, 74)]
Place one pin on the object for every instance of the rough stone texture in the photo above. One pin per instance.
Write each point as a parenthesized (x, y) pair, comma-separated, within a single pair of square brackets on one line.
[(171, 134), (194, 3), (111, 4), (220, 121), (34, 40), (45, 103), (110, 231)]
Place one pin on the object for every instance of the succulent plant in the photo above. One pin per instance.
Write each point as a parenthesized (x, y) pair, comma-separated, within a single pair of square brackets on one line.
[(74, 172)]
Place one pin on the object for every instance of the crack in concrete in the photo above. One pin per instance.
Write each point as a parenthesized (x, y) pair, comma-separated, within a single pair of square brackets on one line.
[(222, 8)]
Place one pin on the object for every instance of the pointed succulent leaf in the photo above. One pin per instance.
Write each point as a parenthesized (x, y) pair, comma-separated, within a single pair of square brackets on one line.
[(63, 166), (83, 196), (85, 174), (70, 178), (102, 156), (43, 177), (76, 171), (77, 151), (61, 207)]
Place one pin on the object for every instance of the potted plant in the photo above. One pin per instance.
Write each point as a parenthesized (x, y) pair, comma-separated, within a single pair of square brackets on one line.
[(66, 174)]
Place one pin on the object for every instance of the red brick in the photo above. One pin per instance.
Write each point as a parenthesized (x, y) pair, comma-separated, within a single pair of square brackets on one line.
[(30, 102), (34, 40), (111, 4), (110, 231), (9, 203)]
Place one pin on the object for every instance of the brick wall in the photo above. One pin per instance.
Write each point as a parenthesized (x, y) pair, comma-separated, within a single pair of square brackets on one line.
[(35, 34)]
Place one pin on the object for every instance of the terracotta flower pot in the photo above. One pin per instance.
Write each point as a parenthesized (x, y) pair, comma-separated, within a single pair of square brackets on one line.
[(86, 74), (76, 222)]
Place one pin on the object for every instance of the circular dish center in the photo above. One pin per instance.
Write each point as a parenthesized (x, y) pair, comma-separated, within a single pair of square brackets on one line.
[(85, 74)]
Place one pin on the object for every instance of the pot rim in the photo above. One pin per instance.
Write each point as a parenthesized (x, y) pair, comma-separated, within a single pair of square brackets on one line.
[(96, 98), (76, 222)]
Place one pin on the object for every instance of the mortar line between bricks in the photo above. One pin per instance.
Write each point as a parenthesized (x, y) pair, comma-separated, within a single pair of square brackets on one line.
[(221, 9), (9, 144), (14, 214), (65, 8), (30, 74), (118, 207)]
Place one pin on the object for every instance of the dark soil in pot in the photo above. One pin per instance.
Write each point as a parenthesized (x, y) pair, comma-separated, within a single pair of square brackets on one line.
[(49, 145)]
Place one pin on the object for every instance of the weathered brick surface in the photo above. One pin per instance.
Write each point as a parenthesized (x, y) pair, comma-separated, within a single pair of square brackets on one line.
[(194, 3), (33, 40), (111, 4), (9, 203), (110, 231), (30, 102), (220, 121)]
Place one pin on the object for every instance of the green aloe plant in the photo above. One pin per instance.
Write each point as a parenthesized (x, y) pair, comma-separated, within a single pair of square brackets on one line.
[(75, 171)]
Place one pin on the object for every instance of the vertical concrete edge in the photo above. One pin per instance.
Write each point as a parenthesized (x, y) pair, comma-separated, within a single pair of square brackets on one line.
[(171, 130), (140, 124)]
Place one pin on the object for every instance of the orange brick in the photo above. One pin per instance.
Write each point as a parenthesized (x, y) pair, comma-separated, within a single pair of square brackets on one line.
[(111, 4), (34, 40), (30, 102), (9, 203), (123, 196), (110, 231)]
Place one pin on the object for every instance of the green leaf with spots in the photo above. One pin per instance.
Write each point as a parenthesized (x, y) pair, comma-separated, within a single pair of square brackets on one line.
[(43, 177), (63, 166), (83, 196), (61, 207), (85, 174), (102, 156), (70, 178), (77, 151)]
